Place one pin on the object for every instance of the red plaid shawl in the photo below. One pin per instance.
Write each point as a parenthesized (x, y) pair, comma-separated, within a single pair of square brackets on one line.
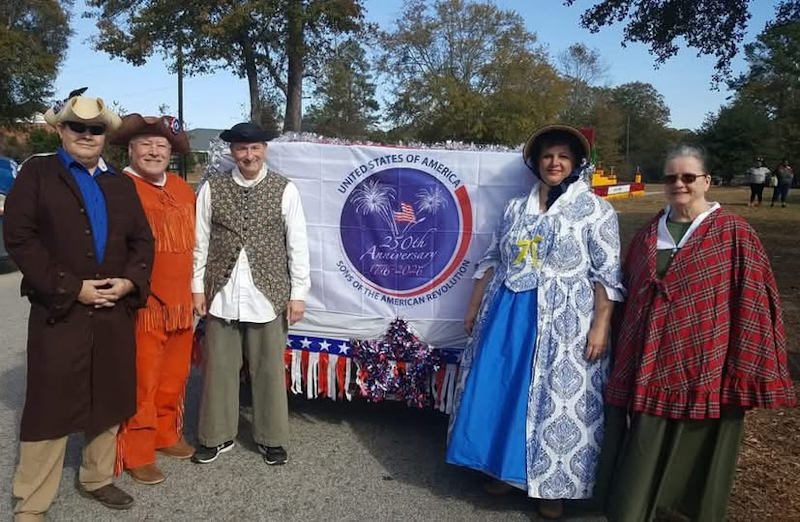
[(709, 334)]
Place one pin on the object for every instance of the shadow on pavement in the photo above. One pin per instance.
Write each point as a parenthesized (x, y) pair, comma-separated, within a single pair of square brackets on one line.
[(7, 266), (12, 389), (410, 444)]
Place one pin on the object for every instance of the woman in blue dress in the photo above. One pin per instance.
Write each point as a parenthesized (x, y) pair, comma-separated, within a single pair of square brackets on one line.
[(529, 398)]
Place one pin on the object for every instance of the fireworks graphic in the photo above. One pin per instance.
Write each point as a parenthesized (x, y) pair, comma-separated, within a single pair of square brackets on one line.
[(373, 197), (431, 200)]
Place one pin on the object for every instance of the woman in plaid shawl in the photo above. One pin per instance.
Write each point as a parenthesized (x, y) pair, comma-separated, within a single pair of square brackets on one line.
[(701, 340), (529, 397)]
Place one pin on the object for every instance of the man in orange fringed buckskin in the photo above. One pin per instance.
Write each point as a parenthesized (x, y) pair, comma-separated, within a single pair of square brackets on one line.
[(164, 326)]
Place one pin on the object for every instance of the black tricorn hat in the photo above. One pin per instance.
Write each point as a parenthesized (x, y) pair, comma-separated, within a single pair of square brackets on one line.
[(247, 133)]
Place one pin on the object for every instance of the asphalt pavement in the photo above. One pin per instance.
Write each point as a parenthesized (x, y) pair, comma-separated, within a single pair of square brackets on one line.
[(358, 461)]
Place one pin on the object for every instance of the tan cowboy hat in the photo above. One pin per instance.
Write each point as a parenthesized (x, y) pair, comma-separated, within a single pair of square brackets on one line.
[(82, 109), (530, 152), (167, 126)]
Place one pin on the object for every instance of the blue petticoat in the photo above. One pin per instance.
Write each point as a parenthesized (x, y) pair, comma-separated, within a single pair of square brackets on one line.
[(490, 426)]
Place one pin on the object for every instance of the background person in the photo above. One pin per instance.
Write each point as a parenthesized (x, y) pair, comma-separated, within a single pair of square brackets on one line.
[(758, 179), (785, 179)]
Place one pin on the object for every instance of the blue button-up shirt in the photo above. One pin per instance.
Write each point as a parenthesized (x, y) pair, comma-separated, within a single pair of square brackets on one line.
[(93, 198)]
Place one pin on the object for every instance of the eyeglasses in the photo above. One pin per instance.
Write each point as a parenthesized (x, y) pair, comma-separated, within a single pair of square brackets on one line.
[(80, 128), (687, 177)]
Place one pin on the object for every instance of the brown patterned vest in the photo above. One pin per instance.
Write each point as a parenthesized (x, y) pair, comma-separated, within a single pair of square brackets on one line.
[(249, 218)]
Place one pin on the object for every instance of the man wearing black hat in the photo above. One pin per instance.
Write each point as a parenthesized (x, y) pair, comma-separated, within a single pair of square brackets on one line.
[(250, 283)]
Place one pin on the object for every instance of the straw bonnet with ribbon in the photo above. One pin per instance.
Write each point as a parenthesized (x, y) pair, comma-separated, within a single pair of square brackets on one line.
[(135, 124), (578, 145), (82, 109)]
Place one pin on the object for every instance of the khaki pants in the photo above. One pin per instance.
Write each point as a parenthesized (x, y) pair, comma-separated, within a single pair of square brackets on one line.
[(41, 463), (264, 344)]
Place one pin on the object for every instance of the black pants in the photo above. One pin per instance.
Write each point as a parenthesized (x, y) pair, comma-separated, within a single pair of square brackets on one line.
[(781, 191), (756, 191)]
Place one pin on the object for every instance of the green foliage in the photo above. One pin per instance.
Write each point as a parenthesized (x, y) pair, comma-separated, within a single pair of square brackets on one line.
[(609, 121), (736, 136), (773, 82), (713, 27), (582, 68), (11, 147), (345, 94), (468, 71), (41, 140), (33, 43), (649, 137), (261, 40)]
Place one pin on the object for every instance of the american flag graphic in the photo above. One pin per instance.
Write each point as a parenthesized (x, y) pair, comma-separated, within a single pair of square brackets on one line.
[(406, 214)]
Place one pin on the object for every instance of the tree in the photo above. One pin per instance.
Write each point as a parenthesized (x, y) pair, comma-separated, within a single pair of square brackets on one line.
[(713, 27), (582, 68), (33, 43), (345, 95), (773, 81), (582, 64), (646, 119), (735, 136), (608, 120), (41, 140), (468, 71), (281, 37)]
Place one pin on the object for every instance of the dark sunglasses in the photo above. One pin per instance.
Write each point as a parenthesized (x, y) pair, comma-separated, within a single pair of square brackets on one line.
[(687, 178), (80, 128)]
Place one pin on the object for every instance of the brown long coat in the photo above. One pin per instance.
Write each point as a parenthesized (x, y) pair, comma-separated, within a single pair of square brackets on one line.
[(81, 360)]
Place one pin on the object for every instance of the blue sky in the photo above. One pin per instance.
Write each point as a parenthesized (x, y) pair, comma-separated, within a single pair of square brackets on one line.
[(220, 100)]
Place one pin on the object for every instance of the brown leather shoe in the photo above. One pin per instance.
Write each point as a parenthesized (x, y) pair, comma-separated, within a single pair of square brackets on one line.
[(180, 450), (551, 509), (110, 496), (149, 474)]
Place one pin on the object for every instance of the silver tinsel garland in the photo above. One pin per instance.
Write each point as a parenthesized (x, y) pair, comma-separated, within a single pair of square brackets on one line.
[(220, 159)]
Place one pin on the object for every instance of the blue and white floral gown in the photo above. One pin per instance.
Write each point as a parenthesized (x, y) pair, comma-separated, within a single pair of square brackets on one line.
[(555, 258)]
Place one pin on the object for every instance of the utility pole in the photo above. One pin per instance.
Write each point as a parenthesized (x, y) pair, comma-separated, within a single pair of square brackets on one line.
[(182, 158), (628, 148)]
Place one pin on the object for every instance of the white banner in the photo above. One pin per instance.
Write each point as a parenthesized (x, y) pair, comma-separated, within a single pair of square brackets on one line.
[(395, 232), (618, 189)]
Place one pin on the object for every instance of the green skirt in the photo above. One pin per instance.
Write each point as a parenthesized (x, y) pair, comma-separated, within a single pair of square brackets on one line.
[(665, 469)]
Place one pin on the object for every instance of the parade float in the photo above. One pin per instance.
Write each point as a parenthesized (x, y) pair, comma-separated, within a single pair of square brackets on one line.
[(394, 234), (605, 183)]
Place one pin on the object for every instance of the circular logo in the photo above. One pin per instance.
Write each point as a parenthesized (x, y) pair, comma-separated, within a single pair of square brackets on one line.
[(404, 231), (173, 124)]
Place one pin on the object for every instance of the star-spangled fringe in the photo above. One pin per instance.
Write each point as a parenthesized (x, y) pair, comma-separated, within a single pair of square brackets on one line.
[(320, 367)]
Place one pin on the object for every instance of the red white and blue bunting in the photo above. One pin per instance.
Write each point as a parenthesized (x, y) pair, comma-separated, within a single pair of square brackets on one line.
[(321, 367)]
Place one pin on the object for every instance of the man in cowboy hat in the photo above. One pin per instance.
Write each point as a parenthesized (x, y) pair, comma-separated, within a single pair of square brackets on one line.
[(76, 229), (164, 326), (249, 283)]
